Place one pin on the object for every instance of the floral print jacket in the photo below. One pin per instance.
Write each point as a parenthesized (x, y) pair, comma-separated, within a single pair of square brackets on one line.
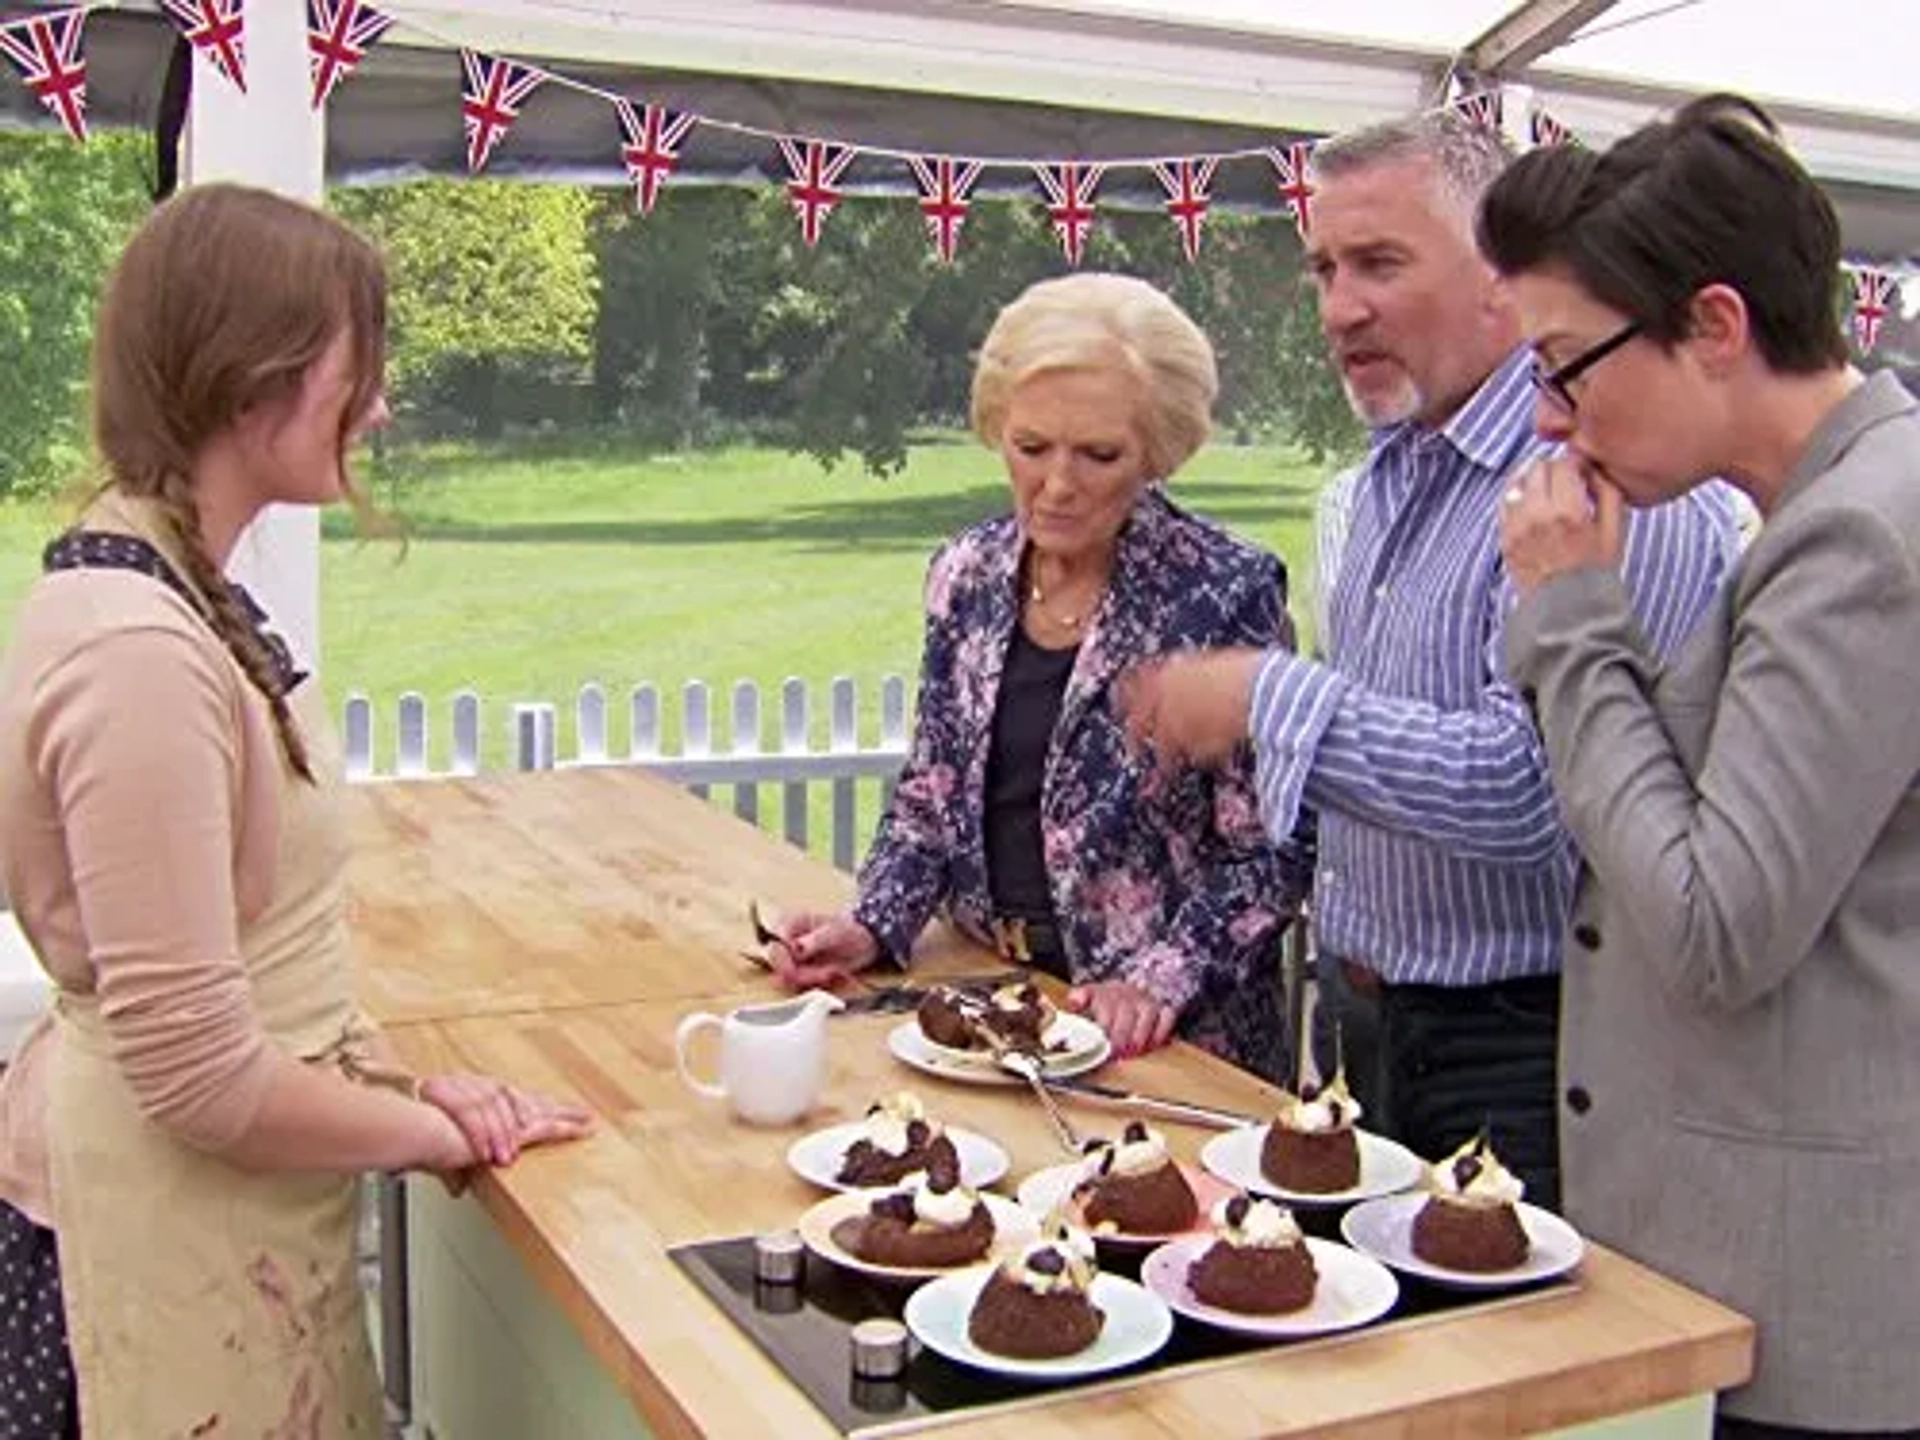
[(1161, 878)]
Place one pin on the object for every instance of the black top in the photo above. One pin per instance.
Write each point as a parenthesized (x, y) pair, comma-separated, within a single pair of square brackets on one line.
[(1032, 686)]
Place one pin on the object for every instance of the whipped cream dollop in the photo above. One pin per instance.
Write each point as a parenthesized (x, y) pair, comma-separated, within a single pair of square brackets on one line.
[(936, 1201), (1140, 1150), (948, 1208), (1061, 1262), (1018, 998), (1250, 1224), (890, 1123), (1473, 1175), (1001, 1015), (1322, 1111)]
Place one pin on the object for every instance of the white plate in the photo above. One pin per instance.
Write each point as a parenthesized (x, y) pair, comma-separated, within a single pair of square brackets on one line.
[(1386, 1166), (1068, 1038), (1012, 1228), (910, 1047), (1383, 1228), (1352, 1289), (817, 1157), (1044, 1189), (1138, 1324)]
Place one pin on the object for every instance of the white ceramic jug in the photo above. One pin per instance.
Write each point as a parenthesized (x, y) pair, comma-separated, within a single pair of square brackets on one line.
[(773, 1057)]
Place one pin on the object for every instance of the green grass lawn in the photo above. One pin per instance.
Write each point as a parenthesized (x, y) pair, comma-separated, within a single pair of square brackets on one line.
[(534, 569)]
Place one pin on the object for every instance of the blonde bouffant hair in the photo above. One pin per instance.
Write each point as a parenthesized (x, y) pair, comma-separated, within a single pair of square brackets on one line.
[(223, 300), (1104, 322)]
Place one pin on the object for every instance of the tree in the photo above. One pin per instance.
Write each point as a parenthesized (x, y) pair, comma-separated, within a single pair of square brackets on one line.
[(491, 281), (65, 211), (1248, 293), (1005, 247), (857, 374), (713, 317), (662, 277)]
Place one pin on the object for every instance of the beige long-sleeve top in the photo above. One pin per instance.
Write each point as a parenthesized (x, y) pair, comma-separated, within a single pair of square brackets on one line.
[(139, 784)]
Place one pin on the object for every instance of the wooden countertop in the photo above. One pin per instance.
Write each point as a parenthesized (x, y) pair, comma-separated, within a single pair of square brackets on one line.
[(566, 888), (555, 927)]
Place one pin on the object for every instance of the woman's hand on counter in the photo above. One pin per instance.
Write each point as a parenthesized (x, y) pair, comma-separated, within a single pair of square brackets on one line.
[(499, 1120), (819, 951), (1135, 1022)]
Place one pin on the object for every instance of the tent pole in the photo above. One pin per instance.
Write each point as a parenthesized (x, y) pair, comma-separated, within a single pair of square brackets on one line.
[(270, 137), (1525, 33)]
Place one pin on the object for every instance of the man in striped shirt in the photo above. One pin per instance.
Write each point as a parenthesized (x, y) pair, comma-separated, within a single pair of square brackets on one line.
[(1445, 876)]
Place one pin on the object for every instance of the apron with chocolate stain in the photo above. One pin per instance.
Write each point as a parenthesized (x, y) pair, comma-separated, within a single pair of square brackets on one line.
[(204, 1300)]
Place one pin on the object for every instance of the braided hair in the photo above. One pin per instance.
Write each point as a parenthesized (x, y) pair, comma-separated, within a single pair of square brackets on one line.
[(224, 300), (229, 621)]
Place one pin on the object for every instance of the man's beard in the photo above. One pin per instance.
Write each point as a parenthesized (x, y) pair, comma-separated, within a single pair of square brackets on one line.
[(1403, 403)]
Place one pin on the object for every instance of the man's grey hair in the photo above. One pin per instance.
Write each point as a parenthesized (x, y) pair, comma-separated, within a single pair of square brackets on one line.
[(1468, 157)]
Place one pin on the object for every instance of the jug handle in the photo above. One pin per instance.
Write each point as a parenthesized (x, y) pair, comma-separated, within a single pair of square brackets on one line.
[(683, 1042)]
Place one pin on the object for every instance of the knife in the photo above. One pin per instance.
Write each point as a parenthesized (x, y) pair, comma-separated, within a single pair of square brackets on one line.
[(1154, 1105), (899, 996), (888, 1001)]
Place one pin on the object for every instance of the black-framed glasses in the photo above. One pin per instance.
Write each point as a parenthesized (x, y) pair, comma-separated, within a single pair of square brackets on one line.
[(1556, 384)]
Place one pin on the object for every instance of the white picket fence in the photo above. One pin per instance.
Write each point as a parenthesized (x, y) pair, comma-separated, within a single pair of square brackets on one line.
[(739, 760)]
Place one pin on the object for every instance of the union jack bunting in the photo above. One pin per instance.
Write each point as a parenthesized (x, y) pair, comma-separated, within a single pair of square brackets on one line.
[(1187, 183), (652, 147), (1875, 294), (339, 34), (1290, 174), (490, 101), (814, 166), (1548, 131), (46, 52), (945, 184), (216, 28), (1482, 108), (1070, 186)]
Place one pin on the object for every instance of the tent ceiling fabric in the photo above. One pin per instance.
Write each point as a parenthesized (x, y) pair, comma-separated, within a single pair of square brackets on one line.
[(1843, 56), (1058, 79)]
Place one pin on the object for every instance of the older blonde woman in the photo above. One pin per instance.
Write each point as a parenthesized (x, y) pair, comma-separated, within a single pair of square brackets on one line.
[(1022, 808)]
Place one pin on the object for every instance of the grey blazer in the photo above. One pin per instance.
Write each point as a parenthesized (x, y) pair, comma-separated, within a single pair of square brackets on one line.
[(1741, 1027)]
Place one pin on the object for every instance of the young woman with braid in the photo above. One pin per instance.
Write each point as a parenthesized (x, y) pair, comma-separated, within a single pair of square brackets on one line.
[(190, 1120)]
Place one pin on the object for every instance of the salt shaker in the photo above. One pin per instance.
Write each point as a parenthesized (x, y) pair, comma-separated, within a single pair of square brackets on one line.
[(879, 1349), (777, 1257)]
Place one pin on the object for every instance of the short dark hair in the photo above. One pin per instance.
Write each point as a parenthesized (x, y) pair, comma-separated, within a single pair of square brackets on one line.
[(1707, 197)]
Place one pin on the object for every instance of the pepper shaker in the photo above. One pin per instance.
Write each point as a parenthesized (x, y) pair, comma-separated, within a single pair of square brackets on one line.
[(778, 1257)]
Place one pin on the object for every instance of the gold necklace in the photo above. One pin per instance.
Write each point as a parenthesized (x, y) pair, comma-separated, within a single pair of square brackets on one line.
[(1039, 598)]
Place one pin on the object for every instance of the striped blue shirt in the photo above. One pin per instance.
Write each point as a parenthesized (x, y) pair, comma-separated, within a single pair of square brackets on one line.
[(1443, 860)]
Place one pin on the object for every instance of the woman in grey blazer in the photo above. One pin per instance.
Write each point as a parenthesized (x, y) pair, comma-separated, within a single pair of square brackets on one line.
[(1741, 1048)]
